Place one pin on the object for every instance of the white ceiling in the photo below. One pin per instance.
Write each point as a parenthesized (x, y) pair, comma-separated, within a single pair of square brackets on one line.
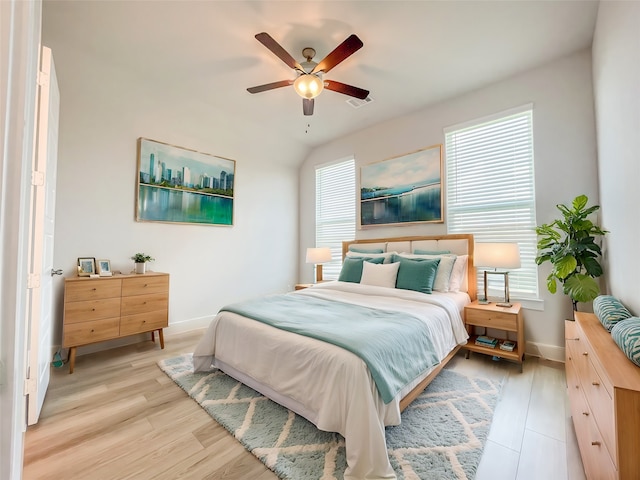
[(415, 53)]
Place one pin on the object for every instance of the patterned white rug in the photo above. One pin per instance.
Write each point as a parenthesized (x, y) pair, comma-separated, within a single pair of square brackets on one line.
[(441, 436)]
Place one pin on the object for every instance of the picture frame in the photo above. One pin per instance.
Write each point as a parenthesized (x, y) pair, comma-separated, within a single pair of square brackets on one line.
[(179, 185), (402, 190), (86, 266), (103, 267)]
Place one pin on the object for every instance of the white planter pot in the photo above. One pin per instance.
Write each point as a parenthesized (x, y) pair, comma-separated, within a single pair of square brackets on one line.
[(140, 267)]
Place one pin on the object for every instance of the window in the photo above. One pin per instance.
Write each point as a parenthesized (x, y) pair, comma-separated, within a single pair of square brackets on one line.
[(490, 190), (335, 211)]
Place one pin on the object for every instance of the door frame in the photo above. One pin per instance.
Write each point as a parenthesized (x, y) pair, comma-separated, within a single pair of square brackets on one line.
[(20, 47)]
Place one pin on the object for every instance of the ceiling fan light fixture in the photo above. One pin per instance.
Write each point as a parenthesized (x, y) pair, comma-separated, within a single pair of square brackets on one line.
[(308, 85)]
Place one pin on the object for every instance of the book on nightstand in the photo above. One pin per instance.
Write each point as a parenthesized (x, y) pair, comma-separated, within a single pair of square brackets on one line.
[(485, 341), (507, 345)]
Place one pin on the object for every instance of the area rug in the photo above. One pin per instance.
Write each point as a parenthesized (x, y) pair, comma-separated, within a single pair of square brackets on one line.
[(442, 434)]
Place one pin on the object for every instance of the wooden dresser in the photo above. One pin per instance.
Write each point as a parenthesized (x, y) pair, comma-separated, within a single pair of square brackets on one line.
[(604, 393), (99, 309)]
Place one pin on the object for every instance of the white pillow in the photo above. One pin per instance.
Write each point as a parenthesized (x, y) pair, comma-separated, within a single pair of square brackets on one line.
[(445, 267), (458, 274), (387, 256), (380, 274)]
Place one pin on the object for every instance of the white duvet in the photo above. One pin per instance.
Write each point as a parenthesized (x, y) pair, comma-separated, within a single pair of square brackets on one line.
[(326, 384)]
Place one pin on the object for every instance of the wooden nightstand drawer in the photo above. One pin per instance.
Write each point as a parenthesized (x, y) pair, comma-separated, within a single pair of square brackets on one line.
[(75, 312), (143, 322), (145, 284), (484, 318), (92, 289), (90, 332), (144, 303)]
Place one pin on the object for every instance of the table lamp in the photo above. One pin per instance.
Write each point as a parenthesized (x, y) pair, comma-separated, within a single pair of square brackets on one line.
[(318, 256), (497, 255)]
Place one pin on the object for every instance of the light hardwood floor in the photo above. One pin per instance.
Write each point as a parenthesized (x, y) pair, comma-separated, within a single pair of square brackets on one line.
[(119, 417)]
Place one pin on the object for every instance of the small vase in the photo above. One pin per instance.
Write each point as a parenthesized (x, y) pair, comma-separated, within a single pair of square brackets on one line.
[(140, 267)]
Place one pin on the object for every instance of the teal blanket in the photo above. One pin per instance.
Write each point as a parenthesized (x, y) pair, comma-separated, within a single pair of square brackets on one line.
[(395, 346)]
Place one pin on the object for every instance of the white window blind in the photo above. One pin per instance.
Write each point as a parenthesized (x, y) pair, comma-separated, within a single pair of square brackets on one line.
[(335, 211), (490, 190)]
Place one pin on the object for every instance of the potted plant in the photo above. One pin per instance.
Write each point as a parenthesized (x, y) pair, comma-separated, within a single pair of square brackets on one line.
[(569, 243), (141, 260)]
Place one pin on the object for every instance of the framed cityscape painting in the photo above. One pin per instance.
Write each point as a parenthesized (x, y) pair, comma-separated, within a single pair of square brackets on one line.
[(402, 190), (178, 185)]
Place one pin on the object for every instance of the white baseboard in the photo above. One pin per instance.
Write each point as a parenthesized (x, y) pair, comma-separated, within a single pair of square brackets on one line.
[(547, 352)]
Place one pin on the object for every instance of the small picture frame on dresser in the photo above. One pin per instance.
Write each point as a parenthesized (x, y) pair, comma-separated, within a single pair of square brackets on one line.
[(86, 266), (104, 268)]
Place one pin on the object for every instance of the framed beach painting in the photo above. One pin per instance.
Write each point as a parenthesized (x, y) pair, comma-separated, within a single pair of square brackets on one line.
[(402, 190), (178, 185)]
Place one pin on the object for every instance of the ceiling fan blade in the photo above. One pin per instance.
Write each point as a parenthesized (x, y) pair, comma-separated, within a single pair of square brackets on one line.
[(266, 39), (307, 106), (346, 89), (351, 45), (270, 86)]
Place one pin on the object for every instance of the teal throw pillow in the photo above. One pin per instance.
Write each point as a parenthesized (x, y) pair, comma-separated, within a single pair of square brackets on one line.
[(417, 273), (417, 251), (352, 268), (609, 310), (364, 250), (626, 334)]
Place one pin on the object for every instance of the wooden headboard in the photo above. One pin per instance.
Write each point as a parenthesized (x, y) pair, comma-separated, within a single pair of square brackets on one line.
[(458, 243)]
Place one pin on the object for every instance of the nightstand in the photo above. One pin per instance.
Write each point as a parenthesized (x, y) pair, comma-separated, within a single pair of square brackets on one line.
[(507, 319)]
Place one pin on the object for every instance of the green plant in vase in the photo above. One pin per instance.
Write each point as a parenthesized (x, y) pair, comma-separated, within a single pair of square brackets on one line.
[(570, 244), (140, 260)]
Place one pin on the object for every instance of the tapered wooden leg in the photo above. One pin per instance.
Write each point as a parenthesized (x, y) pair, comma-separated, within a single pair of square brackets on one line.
[(161, 336), (153, 336), (72, 359)]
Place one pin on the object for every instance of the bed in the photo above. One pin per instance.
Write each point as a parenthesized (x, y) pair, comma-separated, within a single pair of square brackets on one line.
[(324, 381)]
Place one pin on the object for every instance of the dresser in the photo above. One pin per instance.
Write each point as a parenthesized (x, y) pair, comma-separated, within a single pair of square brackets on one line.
[(99, 309), (604, 394)]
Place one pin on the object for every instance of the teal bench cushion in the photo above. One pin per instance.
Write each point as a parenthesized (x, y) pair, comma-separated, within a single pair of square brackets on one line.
[(609, 310), (626, 334)]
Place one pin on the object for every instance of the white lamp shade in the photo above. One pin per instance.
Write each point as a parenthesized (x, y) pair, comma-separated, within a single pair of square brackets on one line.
[(496, 255), (318, 255)]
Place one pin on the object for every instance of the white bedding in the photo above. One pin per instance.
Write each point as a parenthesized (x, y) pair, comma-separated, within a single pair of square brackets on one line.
[(323, 382)]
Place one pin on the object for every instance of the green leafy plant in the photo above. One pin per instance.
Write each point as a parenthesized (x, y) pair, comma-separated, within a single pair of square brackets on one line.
[(142, 258), (569, 243)]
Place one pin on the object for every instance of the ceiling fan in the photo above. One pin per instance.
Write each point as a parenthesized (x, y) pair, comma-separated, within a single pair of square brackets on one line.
[(309, 82)]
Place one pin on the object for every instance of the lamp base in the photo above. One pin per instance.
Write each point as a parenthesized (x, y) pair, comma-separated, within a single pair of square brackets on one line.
[(483, 301), (504, 304)]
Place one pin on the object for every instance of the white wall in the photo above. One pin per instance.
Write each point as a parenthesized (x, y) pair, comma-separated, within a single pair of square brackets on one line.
[(104, 110), (616, 79), (565, 162)]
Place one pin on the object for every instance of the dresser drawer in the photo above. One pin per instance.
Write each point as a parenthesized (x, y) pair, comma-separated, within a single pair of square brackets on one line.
[(92, 289), (145, 285), (75, 312), (144, 303), (90, 332), (486, 318), (143, 322)]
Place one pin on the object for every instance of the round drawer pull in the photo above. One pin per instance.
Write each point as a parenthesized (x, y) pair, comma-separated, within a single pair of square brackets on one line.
[(586, 414), (585, 353), (595, 444), (94, 289), (92, 330), (93, 309), (597, 384)]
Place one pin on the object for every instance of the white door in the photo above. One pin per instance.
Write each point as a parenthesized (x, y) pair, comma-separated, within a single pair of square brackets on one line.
[(43, 195)]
